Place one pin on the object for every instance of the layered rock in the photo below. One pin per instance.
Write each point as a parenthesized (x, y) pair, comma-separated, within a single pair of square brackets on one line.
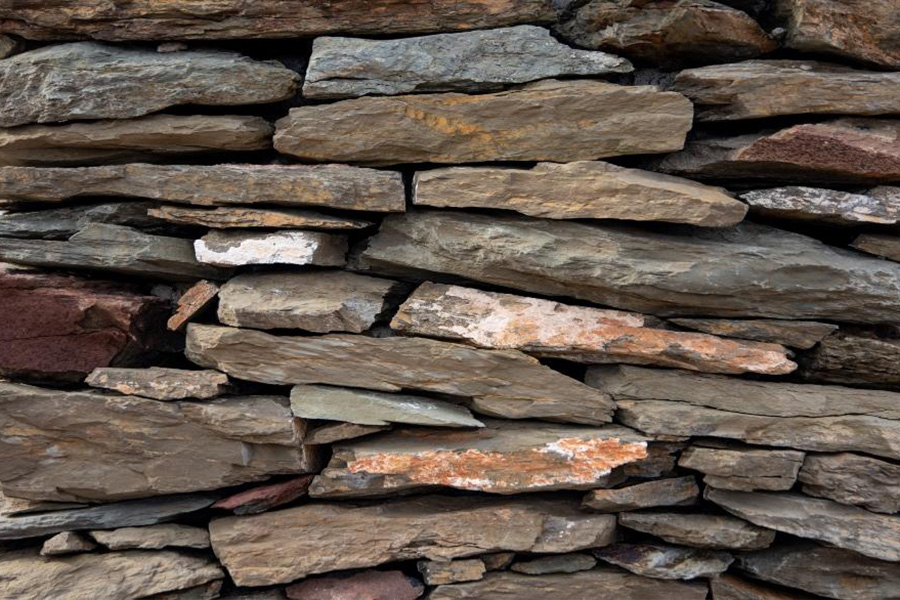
[(744, 469), (63, 223), (467, 62), (568, 121), (795, 334), (662, 492), (699, 530), (821, 206), (855, 360), (160, 383), (119, 83), (853, 479), (579, 190), (886, 246), (153, 537), (747, 271), (665, 562), (281, 546), (262, 498), (376, 585), (234, 217), (502, 383), (146, 447), (238, 248)]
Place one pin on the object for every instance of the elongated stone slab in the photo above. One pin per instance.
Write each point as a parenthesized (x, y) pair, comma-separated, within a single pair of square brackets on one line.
[(756, 89), (886, 246), (568, 121), (338, 431), (439, 572), (807, 417), (853, 479), (729, 587), (148, 447), (665, 562), (870, 534), (744, 469), (62, 223), (234, 217), (589, 335), (320, 301), (233, 19), (331, 186), (661, 492), (238, 248), (363, 407), (118, 83), (796, 334), (675, 274), (559, 563), (285, 545), (513, 385), (153, 537), (160, 383), (699, 530), (579, 190), (467, 62), (262, 498), (818, 205), (153, 138), (386, 585), (855, 360), (503, 458)]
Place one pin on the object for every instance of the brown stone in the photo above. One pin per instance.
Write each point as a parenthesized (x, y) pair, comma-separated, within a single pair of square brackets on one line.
[(795, 334), (744, 469), (234, 217), (9, 46), (504, 383), (821, 206), (67, 542), (886, 246), (579, 190), (729, 587), (502, 458), (499, 561), (661, 492), (191, 303), (699, 530), (443, 572), (160, 383), (336, 432), (153, 537), (64, 327), (281, 546), (368, 585), (560, 563), (855, 360), (225, 248), (550, 329), (853, 479), (262, 498), (666, 562), (567, 121)]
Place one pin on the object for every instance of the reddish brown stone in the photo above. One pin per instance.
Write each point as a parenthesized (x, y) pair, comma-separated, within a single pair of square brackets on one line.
[(191, 302), (368, 585), (264, 497)]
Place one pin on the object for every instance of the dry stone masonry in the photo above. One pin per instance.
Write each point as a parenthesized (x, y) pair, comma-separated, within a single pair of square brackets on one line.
[(450, 300)]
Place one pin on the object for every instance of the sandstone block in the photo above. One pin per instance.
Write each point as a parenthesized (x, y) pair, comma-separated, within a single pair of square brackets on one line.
[(262, 498), (234, 217)]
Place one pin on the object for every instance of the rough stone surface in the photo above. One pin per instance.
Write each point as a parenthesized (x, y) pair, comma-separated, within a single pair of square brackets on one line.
[(153, 138), (153, 537), (561, 563), (667, 33), (848, 527), (63, 223), (498, 561), (662, 492), (769, 88), (513, 385), (853, 479), (262, 498), (363, 407), (886, 246), (579, 190), (746, 271), (589, 335), (67, 542), (443, 572), (285, 545), (160, 383), (368, 585), (467, 62), (9, 46), (337, 431), (238, 248), (744, 469), (795, 334), (234, 217), (330, 186), (729, 587), (567, 121), (119, 83), (120, 447), (855, 360), (818, 205), (819, 418), (318, 301), (502, 458), (665, 562), (191, 303), (717, 532)]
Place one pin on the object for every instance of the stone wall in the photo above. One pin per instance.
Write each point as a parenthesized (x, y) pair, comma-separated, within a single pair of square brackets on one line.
[(456, 299)]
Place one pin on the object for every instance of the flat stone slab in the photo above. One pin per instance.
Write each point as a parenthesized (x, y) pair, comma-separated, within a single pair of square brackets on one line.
[(561, 563), (237, 248), (795, 334), (153, 537), (715, 532), (377, 585), (662, 492), (444, 572), (885, 246), (160, 383), (64, 222), (744, 469), (234, 217), (817, 205), (666, 562), (855, 360), (264, 497), (853, 479)]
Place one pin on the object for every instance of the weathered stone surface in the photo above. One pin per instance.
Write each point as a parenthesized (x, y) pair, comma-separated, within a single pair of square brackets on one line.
[(363, 407), (567, 121), (827, 572), (667, 33), (699, 530), (232, 19), (118, 83), (729, 587), (285, 545), (113, 248), (861, 31), (848, 527), (239, 248), (191, 303), (25, 575), (820, 418), (498, 561), (665, 562), (331, 186), (67, 542), (854, 359), (233, 217), (153, 138), (768, 88), (844, 151), (746, 271), (661, 492), (368, 585), (153, 537), (561, 563), (502, 383), (131, 513), (580, 190), (503, 458), (590, 335), (209, 591), (819, 205), (55, 327), (853, 479), (9, 46), (337, 431), (317, 301), (262, 498), (886, 246), (19, 506), (744, 469), (796, 334), (443, 572), (63, 223), (160, 383), (119, 447), (576, 586)]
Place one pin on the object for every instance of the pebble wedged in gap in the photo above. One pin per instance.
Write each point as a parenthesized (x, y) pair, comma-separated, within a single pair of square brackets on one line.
[(716, 532), (160, 383), (795, 334), (239, 248), (662, 492), (853, 479), (744, 469)]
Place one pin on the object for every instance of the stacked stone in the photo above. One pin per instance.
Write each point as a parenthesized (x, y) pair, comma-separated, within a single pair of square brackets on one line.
[(455, 299)]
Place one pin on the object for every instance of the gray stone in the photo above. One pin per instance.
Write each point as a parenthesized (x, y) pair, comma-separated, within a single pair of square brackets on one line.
[(160, 383), (796, 334), (63, 223), (661, 492), (236, 217), (562, 563), (819, 205), (443, 572), (666, 562), (238, 248), (744, 469), (853, 479), (716, 532), (855, 360), (67, 542), (153, 537), (87, 80)]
